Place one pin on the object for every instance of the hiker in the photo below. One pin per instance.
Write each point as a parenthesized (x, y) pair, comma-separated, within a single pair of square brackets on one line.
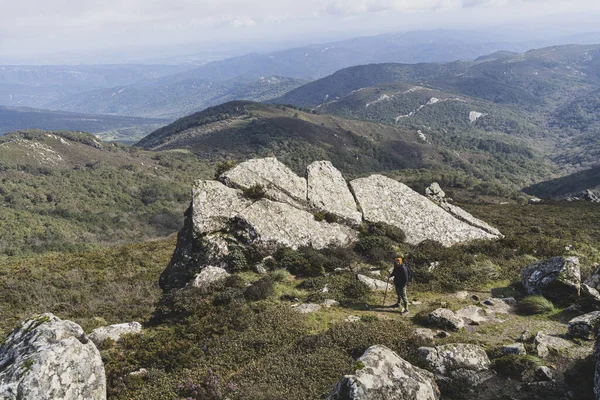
[(400, 275)]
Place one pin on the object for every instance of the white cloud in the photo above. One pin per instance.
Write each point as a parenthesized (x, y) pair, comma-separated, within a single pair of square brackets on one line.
[(243, 22)]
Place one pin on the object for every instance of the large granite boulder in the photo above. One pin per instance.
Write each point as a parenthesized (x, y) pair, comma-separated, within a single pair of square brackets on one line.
[(48, 358), (271, 221), (114, 332), (558, 278), (464, 216), (386, 376), (213, 206), (280, 183), (594, 279), (328, 191), (385, 200), (375, 284), (585, 326), (464, 362)]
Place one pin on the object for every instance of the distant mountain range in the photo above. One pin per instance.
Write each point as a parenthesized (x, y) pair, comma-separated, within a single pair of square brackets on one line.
[(174, 91), (106, 127)]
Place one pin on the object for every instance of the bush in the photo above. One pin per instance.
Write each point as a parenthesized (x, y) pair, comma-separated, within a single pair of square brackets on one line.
[(223, 166), (255, 192), (343, 288), (236, 260), (513, 366), (532, 305), (260, 290), (376, 249), (382, 229), (304, 262)]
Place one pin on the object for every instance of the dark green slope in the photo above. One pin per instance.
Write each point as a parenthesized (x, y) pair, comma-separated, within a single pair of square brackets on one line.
[(567, 185)]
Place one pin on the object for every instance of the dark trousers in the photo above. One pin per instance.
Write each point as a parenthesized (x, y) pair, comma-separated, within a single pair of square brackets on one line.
[(402, 297)]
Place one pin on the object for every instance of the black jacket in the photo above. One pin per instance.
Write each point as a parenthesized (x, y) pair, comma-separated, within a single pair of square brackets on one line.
[(400, 274)]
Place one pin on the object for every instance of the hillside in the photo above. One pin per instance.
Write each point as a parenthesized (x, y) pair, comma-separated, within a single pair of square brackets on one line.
[(241, 130), (106, 127), (546, 95), (567, 185), (175, 96), (67, 191)]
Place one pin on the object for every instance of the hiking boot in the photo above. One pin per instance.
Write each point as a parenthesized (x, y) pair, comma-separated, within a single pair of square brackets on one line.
[(395, 305), (404, 312)]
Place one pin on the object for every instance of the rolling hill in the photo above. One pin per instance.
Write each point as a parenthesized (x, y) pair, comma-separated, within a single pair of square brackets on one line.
[(565, 186), (106, 127), (240, 130), (547, 95)]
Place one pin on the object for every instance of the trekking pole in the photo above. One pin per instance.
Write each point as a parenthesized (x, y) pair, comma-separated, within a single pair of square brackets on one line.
[(387, 282)]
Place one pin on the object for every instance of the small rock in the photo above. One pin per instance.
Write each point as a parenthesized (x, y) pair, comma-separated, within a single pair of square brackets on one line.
[(114, 332), (515, 348), (443, 334), (139, 372), (472, 315), (444, 318), (462, 295), (308, 308), (325, 289), (209, 275), (352, 318), (475, 297), (416, 303), (330, 303), (585, 326), (425, 333), (544, 373), (260, 269), (550, 345), (526, 336)]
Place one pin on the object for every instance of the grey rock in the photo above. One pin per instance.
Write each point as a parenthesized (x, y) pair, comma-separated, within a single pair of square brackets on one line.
[(515, 349), (472, 315), (114, 332), (585, 326), (589, 299), (446, 319), (385, 200), (280, 223), (543, 373), (208, 276), (375, 284), (534, 200), (215, 249), (213, 205), (435, 191), (443, 334), (597, 369), (462, 295), (308, 308), (496, 306), (386, 376), (593, 280), (425, 333), (280, 182), (558, 278), (466, 363), (550, 345), (47, 358), (328, 191), (352, 318), (260, 269), (330, 303), (586, 195), (526, 336), (463, 215)]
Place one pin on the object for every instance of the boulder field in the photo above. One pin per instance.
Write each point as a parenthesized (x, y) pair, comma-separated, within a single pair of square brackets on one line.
[(263, 203)]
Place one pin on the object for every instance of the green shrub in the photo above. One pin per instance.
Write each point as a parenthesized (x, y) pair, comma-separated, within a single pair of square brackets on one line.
[(280, 275), (304, 262), (382, 229), (513, 366), (255, 192), (223, 166), (341, 287), (260, 290), (236, 260), (532, 305), (376, 249), (228, 295)]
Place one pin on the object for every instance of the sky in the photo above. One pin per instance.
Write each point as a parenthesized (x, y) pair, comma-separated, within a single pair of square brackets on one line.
[(34, 28)]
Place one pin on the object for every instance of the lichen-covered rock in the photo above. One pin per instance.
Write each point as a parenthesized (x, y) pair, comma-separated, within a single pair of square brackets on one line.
[(114, 332), (446, 319), (385, 200), (594, 279), (280, 182), (472, 315), (308, 308), (589, 299), (464, 216), (558, 278), (328, 191), (375, 284), (386, 376), (550, 345), (585, 326), (213, 205), (466, 363), (47, 358), (208, 276), (285, 225)]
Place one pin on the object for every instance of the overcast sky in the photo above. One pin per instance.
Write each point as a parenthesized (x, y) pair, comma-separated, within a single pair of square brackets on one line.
[(31, 28)]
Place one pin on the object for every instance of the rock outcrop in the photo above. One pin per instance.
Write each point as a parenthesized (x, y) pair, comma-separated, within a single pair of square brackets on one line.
[(594, 279), (464, 216), (558, 278), (114, 332), (548, 345), (435, 192), (328, 191), (227, 216), (280, 183), (375, 284), (586, 195), (464, 362), (386, 376), (48, 358), (383, 199)]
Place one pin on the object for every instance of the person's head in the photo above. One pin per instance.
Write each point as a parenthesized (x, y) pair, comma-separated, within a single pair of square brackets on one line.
[(398, 261)]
